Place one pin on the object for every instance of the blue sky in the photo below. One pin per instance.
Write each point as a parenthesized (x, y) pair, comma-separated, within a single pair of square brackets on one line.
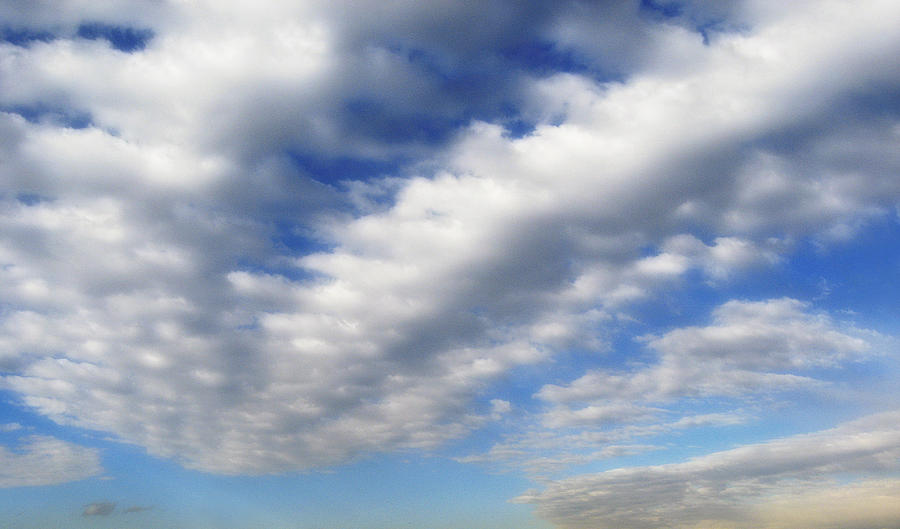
[(444, 265)]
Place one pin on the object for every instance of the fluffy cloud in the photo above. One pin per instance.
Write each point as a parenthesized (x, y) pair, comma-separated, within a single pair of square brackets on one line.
[(42, 460), (185, 273), (779, 483)]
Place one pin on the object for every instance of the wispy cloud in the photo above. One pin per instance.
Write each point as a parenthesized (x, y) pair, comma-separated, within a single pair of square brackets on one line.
[(41, 460), (100, 508)]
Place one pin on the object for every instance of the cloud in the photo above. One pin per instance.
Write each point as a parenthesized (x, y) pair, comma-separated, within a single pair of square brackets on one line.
[(750, 347), (543, 450), (185, 272), (540, 464), (101, 508), (772, 484), (42, 460)]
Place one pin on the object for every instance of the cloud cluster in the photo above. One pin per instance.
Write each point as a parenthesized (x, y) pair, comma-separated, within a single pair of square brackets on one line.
[(41, 460), (751, 351), (182, 269), (751, 347), (803, 481)]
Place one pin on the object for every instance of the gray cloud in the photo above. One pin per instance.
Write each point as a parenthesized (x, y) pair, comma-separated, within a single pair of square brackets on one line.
[(750, 486), (100, 508)]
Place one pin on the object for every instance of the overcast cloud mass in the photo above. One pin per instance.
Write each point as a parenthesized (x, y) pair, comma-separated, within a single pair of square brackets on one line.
[(628, 252)]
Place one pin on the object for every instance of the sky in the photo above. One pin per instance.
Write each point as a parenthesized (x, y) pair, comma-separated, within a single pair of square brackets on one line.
[(452, 264)]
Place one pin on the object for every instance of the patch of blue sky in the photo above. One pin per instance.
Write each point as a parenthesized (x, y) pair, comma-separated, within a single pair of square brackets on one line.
[(122, 38), (31, 199), (333, 170), (379, 493), (24, 37), (707, 24), (294, 240), (372, 118), (666, 8), (545, 58), (14, 410), (434, 491), (845, 277), (51, 114), (290, 243), (436, 64), (857, 279), (471, 88)]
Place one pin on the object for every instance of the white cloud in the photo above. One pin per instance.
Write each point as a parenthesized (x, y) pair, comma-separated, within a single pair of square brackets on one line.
[(151, 294), (750, 347), (41, 460), (773, 484)]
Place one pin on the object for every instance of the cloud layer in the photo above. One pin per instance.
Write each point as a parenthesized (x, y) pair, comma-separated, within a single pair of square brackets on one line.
[(803, 481), (253, 245)]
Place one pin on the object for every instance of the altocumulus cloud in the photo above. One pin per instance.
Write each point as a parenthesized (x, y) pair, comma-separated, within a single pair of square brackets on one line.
[(197, 264)]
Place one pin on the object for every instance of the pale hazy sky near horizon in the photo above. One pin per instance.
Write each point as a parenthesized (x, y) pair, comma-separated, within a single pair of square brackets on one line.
[(494, 264)]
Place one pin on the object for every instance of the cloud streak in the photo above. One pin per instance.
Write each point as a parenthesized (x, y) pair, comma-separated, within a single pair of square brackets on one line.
[(754, 485)]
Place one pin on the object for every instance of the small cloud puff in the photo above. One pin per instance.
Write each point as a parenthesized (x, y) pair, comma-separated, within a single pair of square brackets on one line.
[(101, 508)]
